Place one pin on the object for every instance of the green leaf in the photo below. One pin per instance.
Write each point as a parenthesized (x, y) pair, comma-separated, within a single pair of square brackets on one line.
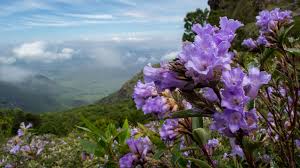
[(294, 51), (197, 122), (93, 129), (88, 146), (286, 31), (251, 104), (201, 136), (125, 133), (199, 163), (266, 55), (158, 154)]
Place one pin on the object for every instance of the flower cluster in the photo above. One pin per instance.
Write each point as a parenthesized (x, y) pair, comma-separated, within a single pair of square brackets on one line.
[(209, 54), (23, 143), (238, 90), (139, 150), (268, 22), (169, 130), (148, 98)]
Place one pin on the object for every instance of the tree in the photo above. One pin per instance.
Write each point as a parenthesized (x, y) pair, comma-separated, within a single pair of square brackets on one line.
[(191, 18)]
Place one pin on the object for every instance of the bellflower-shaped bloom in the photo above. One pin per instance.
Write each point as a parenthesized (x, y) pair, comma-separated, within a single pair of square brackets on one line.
[(251, 119), (249, 43), (157, 105), (209, 94), (229, 25), (236, 149), (255, 80), (234, 98), (168, 131), (209, 53), (261, 40), (212, 143), (235, 120), (127, 161), (228, 28), (219, 122), (140, 146), (233, 78), (268, 20), (162, 77), (142, 92)]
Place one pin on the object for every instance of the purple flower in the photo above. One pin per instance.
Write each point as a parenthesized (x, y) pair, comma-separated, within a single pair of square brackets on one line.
[(140, 146), (187, 105), (233, 78), (127, 161), (228, 28), (220, 124), (15, 149), (134, 132), (142, 92), (236, 149), (261, 40), (20, 132), (249, 43), (168, 131), (209, 53), (234, 98), (213, 143), (235, 120), (163, 77), (267, 21), (157, 105), (206, 29), (182, 145), (229, 25), (255, 80), (25, 148), (251, 119), (209, 94), (9, 166), (297, 142)]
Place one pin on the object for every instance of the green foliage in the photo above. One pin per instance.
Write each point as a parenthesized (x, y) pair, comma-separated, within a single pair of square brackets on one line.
[(106, 143), (191, 18), (10, 120)]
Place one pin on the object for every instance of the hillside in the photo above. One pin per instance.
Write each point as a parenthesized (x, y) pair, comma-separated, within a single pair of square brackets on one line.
[(125, 93)]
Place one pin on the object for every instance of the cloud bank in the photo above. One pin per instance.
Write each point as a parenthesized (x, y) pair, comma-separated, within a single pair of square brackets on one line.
[(38, 51)]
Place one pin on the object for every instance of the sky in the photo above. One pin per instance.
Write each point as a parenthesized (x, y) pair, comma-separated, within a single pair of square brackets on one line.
[(60, 38), (62, 20)]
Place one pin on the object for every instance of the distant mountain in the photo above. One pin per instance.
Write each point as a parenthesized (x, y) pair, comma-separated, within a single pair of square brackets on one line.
[(124, 93), (36, 93)]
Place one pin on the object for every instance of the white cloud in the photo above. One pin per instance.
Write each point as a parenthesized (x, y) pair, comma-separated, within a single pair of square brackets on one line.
[(170, 55), (90, 16), (14, 74), (108, 57), (7, 60), (38, 51), (135, 14)]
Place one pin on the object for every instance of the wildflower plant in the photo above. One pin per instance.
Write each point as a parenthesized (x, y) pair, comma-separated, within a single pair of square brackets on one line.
[(235, 97), (212, 110)]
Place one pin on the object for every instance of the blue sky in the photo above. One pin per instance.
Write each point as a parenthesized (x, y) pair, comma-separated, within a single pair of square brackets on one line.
[(59, 20)]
